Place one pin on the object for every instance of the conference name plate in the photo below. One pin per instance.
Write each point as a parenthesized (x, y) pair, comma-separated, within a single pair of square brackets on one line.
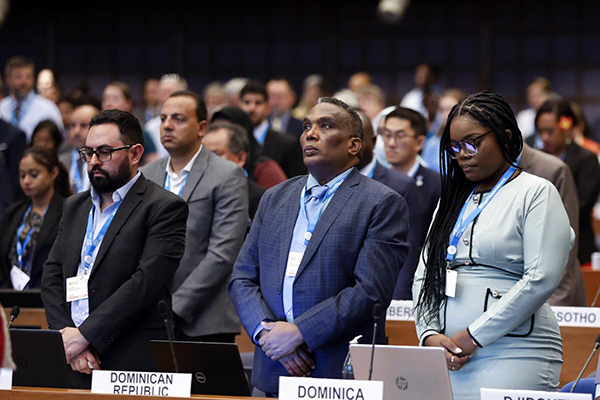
[(400, 310), (163, 384), (504, 394), (586, 317), (328, 389)]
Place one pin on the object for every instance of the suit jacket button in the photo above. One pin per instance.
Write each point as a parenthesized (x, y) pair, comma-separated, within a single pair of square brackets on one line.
[(279, 291)]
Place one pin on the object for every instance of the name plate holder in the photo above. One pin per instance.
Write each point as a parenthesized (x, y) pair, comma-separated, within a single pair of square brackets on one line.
[(584, 317), (400, 310), (292, 388), (162, 384), (505, 394)]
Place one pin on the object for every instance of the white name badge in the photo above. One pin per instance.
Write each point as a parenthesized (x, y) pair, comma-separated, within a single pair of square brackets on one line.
[(504, 394), (19, 278), (451, 278), (293, 263), (77, 288), (6, 378), (400, 310), (325, 389), (163, 384), (587, 317)]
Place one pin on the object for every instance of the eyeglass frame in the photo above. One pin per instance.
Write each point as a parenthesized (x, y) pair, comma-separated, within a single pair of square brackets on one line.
[(381, 132), (110, 150), (461, 146)]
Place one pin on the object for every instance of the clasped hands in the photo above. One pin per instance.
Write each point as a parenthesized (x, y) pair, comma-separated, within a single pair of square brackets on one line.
[(283, 342), (459, 348), (78, 351)]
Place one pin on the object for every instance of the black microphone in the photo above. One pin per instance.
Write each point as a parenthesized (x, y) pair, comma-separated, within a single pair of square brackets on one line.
[(596, 346), (162, 307), (14, 313), (376, 316)]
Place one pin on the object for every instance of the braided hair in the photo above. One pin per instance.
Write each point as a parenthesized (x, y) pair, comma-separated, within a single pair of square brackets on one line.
[(488, 110)]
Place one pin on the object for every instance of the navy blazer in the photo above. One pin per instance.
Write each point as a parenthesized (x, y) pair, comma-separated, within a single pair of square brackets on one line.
[(429, 184), (351, 263), (405, 187)]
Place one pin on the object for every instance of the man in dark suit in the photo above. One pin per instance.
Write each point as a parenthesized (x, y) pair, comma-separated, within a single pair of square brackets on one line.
[(215, 190), (322, 251), (281, 101), (554, 123), (115, 255), (406, 188), (403, 138), (12, 145), (280, 146)]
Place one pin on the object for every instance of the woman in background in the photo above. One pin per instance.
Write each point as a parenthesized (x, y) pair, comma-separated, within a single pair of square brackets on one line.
[(46, 134), (494, 254), (30, 226)]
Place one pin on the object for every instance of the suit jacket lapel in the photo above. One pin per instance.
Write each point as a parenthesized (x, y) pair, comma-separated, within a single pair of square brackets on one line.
[(336, 205), (76, 240), (290, 214), (196, 173), (130, 202), (379, 172), (157, 172)]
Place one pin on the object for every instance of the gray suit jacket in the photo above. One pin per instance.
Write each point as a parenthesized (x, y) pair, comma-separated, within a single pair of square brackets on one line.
[(217, 197), (571, 290)]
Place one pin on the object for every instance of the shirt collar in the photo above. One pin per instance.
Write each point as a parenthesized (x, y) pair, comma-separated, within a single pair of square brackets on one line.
[(413, 170), (312, 181), (27, 98), (185, 170), (368, 168), (260, 130), (118, 194)]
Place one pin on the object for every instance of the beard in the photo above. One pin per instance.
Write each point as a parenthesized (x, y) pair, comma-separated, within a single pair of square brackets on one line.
[(107, 183)]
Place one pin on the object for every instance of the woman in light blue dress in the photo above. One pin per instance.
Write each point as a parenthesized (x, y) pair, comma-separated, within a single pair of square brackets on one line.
[(495, 252)]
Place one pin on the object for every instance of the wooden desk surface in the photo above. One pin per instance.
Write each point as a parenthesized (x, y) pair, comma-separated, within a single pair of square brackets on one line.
[(73, 394), (577, 342)]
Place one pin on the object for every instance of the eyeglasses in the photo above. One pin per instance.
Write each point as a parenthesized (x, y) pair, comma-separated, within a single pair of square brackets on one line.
[(469, 146), (104, 154), (388, 134)]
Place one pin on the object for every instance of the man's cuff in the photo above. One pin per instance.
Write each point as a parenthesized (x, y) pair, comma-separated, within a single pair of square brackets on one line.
[(259, 328)]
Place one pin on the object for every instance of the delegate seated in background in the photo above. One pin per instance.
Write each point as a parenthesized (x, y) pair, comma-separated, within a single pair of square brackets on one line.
[(30, 226)]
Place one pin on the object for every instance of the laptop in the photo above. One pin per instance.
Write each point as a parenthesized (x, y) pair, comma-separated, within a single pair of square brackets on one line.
[(30, 298), (216, 368), (41, 362), (407, 372)]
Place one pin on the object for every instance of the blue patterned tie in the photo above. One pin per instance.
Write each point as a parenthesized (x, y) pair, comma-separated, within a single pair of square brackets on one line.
[(314, 201)]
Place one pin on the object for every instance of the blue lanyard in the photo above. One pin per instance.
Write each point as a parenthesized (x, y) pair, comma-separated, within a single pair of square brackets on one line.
[(92, 244), (167, 185), (461, 226), (22, 246), (330, 192), (78, 178), (24, 108)]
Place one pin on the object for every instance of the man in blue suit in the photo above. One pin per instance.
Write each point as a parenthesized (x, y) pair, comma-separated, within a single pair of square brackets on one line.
[(406, 188), (322, 251)]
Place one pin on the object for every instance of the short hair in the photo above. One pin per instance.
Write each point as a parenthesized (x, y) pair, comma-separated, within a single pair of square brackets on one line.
[(123, 87), (354, 121), (174, 78), (18, 62), (129, 126), (373, 90), (255, 87), (417, 121), (213, 87), (51, 127), (234, 86), (558, 107), (201, 112), (543, 82), (237, 138)]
